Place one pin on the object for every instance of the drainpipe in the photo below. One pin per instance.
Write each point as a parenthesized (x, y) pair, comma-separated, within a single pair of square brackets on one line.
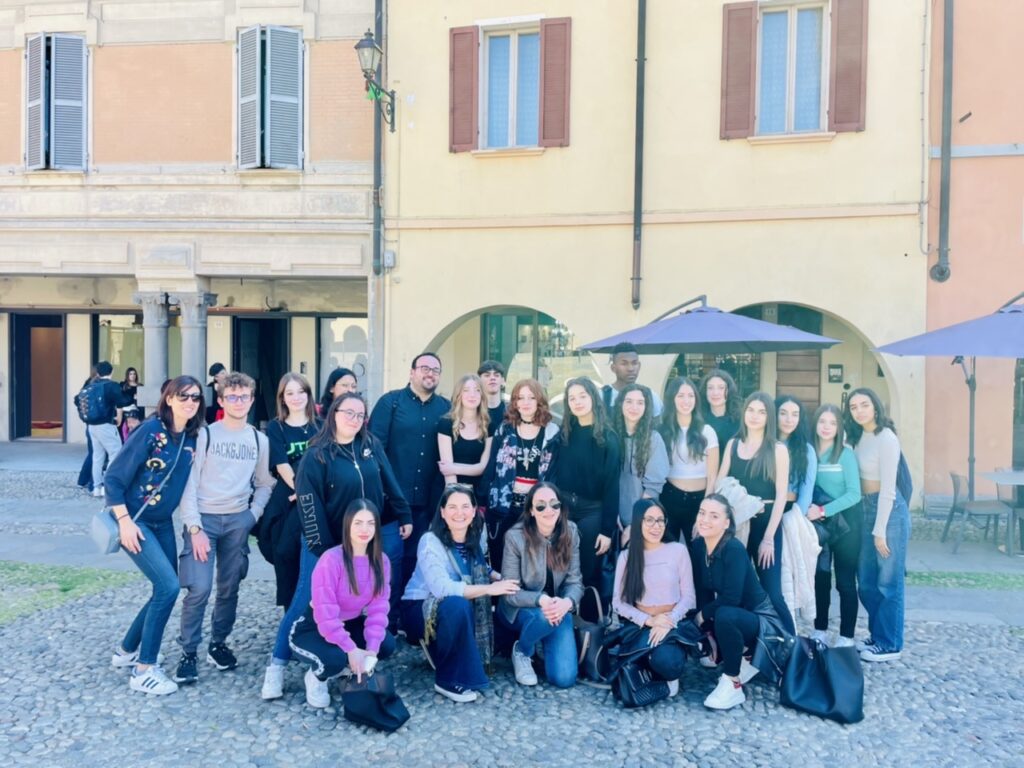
[(378, 149), (638, 161), (940, 272)]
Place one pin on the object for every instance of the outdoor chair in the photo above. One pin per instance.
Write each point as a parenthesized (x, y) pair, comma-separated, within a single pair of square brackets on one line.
[(1015, 518), (990, 509)]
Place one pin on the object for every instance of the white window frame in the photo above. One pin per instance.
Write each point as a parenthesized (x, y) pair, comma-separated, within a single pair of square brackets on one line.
[(791, 8), (513, 30)]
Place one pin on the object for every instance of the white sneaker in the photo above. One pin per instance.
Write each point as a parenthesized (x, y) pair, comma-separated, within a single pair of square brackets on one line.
[(122, 660), (317, 694), (673, 688), (97, 491), (874, 653), (844, 642), (273, 683), (747, 671), (523, 667), (707, 662), (153, 681), (456, 693), (726, 695), (820, 635)]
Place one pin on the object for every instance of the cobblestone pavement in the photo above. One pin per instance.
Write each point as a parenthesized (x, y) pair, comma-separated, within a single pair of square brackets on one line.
[(954, 699)]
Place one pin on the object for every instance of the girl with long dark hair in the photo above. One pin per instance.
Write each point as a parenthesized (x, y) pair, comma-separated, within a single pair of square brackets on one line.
[(463, 437), (693, 458), (803, 461), (761, 465), (341, 381), (886, 532), (837, 492), (587, 474), (158, 454), (642, 450), (654, 588), (346, 622), (446, 607), (721, 404), (542, 554)]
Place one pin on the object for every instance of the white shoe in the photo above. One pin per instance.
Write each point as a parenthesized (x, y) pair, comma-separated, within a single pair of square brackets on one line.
[(122, 660), (707, 662), (97, 491), (844, 642), (726, 695), (317, 694), (673, 688), (523, 667), (457, 694), (273, 683), (820, 636), (153, 681), (747, 671)]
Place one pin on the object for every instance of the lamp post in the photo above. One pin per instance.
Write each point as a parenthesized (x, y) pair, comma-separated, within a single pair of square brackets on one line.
[(370, 54)]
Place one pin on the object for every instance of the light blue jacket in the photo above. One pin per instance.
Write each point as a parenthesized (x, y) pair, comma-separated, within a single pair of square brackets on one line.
[(804, 489)]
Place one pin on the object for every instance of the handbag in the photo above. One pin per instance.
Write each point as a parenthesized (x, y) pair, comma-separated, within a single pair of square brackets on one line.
[(635, 686), (374, 702), (594, 668), (823, 681), (103, 527)]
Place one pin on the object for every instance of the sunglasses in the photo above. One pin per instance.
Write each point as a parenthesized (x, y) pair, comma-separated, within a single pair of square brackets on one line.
[(540, 506), (184, 397)]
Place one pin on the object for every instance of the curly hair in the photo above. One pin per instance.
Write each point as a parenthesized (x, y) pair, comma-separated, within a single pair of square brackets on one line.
[(543, 417), (644, 428)]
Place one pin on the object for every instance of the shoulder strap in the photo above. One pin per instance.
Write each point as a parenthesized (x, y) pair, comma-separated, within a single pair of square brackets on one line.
[(159, 488), (206, 429)]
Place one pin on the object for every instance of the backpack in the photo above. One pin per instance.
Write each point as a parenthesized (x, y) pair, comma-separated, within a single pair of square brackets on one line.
[(92, 405), (904, 482)]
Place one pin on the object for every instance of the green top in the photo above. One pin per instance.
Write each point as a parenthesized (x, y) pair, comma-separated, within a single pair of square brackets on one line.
[(840, 481)]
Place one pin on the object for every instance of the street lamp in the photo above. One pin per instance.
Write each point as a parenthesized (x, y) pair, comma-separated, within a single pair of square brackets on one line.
[(370, 54)]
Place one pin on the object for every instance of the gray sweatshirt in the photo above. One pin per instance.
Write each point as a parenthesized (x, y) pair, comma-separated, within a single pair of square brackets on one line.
[(234, 467)]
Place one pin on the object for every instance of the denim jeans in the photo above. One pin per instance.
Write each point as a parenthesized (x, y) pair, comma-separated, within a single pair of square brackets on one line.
[(392, 544), (300, 602), (559, 641), (881, 579), (453, 649), (106, 444), (158, 561)]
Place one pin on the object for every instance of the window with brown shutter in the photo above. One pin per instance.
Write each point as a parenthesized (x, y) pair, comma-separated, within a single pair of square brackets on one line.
[(739, 51), (848, 80), (463, 87), (555, 39)]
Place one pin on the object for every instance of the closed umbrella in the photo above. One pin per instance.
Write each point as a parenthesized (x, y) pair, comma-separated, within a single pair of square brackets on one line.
[(1000, 334)]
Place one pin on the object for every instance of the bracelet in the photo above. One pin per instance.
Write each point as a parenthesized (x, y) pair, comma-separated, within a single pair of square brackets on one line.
[(122, 517)]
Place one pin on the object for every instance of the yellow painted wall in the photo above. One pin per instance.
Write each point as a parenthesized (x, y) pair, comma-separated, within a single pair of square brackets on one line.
[(303, 344), (218, 341), (78, 338), (11, 79)]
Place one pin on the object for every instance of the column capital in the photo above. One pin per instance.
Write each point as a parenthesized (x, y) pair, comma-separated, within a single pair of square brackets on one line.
[(154, 307), (193, 306)]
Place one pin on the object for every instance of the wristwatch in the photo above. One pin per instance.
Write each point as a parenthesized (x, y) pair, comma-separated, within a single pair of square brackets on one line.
[(194, 529)]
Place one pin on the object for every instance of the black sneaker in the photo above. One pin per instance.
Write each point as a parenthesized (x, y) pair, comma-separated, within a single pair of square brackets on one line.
[(186, 672), (221, 657)]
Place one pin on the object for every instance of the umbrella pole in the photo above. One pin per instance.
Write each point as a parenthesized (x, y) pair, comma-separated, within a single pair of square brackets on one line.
[(972, 387)]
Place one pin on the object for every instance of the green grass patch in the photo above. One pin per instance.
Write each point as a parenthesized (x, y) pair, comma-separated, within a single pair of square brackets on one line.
[(1003, 581), (26, 588)]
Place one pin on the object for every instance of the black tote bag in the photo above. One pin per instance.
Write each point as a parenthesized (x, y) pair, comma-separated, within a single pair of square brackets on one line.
[(374, 702), (823, 681)]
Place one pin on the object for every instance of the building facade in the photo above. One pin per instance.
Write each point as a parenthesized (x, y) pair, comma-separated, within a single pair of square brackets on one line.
[(784, 175), (180, 183)]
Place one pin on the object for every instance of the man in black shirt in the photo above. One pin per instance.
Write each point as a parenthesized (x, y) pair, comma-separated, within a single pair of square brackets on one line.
[(492, 373), (405, 421), (625, 364)]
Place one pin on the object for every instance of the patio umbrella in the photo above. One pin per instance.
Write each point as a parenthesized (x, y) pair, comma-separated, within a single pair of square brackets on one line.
[(1000, 334), (707, 329)]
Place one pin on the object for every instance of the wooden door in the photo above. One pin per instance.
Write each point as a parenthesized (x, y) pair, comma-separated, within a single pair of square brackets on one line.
[(799, 374)]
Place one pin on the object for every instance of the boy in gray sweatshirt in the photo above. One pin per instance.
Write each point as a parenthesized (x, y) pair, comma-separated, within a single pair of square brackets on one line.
[(228, 488)]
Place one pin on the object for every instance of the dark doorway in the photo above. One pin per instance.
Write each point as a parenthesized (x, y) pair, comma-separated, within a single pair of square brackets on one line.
[(37, 376), (261, 349)]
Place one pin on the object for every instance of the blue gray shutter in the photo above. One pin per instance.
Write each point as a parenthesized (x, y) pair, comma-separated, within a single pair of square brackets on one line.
[(249, 97), (67, 103), (282, 124), (35, 102)]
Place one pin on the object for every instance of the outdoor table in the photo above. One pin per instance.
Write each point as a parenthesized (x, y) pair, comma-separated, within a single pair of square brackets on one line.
[(1014, 477)]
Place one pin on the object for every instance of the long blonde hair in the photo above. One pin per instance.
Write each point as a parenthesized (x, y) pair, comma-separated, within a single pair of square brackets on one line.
[(482, 416)]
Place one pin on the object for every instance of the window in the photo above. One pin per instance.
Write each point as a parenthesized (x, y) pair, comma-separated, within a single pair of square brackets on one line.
[(789, 86), (55, 109), (270, 64), (513, 89)]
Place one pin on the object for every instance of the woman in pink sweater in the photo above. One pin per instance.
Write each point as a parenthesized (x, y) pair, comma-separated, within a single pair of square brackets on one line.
[(347, 620)]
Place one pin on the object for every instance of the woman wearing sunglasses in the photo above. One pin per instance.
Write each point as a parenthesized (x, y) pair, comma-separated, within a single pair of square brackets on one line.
[(157, 455), (542, 554)]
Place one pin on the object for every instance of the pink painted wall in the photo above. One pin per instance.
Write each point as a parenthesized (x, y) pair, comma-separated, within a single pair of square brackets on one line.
[(986, 232)]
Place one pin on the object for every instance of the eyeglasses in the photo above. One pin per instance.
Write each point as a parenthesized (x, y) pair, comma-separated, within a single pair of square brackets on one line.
[(184, 397), (655, 522), (540, 506), (352, 415), (425, 369), (238, 398)]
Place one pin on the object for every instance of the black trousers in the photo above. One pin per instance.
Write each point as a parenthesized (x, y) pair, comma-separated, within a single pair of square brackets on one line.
[(735, 629), (681, 509), (845, 556), (587, 517), (770, 577), (497, 526), (327, 659)]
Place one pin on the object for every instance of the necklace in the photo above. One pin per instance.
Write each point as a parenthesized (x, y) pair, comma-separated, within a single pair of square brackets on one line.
[(529, 452)]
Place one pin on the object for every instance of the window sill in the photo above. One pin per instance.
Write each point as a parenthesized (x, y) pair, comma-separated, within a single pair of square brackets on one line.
[(269, 175), (508, 152), (792, 138)]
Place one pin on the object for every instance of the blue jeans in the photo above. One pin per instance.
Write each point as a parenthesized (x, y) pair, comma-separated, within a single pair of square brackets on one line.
[(559, 641), (393, 546), (882, 579), (158, 560), (453, 649), (300, 602)]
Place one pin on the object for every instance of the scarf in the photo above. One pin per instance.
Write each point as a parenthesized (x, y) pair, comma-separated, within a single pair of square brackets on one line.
[(483, 628)]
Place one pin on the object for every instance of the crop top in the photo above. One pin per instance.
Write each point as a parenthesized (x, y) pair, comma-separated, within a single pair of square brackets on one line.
[(681, 465)]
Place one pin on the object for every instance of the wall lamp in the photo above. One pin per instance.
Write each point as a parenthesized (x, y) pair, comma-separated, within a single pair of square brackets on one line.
[(370, 54)]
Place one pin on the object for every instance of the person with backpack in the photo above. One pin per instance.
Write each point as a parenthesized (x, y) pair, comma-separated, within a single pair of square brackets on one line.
[(228, 488), (99, 406)]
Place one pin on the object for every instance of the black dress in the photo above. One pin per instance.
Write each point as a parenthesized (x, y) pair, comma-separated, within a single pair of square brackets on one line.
[(463, 452)]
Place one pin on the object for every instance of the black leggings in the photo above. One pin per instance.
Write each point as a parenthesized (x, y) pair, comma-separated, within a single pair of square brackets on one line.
[(681, 509), (497, 526), (588, 520), (845, 556), (770, 577), (735, 629)]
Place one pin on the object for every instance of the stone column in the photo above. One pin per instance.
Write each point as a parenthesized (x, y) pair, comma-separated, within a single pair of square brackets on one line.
[(193, 330), (154, 328)]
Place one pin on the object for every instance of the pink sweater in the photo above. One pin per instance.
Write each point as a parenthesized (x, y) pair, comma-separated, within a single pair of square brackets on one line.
[(334, 603)]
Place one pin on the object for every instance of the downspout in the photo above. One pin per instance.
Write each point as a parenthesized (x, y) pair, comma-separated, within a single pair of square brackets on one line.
[(638, 161), (378, 150), (940, 271)]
